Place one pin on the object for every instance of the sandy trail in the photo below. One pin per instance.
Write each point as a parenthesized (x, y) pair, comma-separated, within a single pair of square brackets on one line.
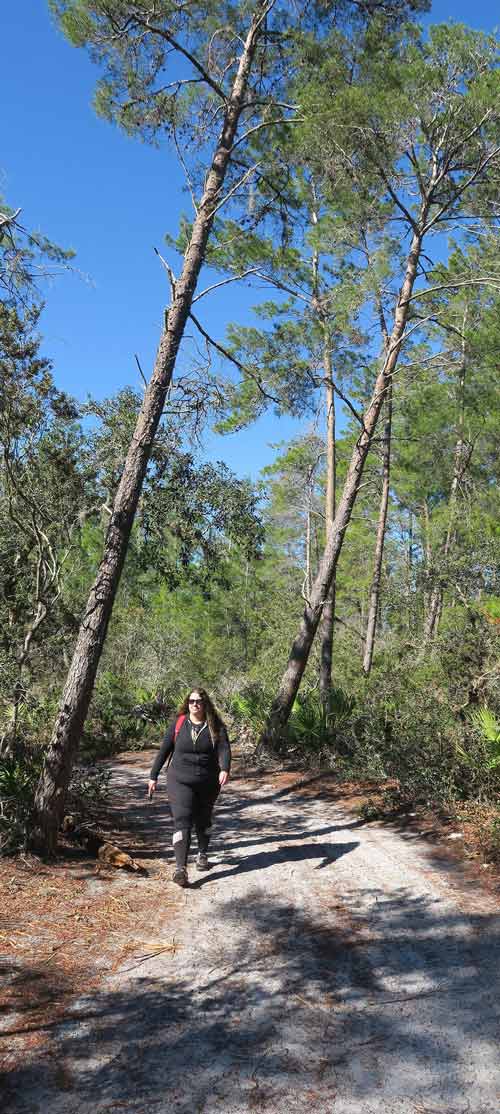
[(322, 965)]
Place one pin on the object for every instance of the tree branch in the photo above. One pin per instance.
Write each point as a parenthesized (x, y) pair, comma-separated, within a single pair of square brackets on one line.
[(224, 282), (141, 373), (170, 273), (264, 124), (490, 281), (233, 359), (281, 286), (406, 213), (343, 623), (461, 189), (187, 175), (5, 219), (235, 187), (164, 34)]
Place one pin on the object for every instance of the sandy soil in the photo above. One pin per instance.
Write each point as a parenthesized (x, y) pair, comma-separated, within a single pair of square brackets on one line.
[(323, 964)]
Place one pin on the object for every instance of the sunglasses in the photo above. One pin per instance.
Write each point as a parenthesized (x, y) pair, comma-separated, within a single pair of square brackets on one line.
[(196, 701)]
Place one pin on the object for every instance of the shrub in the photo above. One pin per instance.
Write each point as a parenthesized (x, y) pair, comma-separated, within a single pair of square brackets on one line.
[(478, 755), (489, 728), (18, 779), (88, 789), (115, 721), (249, 708), (414, 727), (315, 727)]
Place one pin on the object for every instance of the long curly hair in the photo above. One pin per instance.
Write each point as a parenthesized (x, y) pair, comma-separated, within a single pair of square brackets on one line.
[(213, 718)]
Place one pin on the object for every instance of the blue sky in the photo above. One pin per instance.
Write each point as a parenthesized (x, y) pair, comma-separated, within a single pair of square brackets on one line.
[(111, 199)]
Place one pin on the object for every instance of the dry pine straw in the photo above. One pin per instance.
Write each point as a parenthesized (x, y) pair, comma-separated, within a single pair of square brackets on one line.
[(61, 925)]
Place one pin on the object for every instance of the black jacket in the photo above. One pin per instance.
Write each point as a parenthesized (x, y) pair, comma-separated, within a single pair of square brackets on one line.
[(195, 761)]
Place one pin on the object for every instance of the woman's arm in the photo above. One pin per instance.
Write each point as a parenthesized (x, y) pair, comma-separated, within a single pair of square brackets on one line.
[(223, 755), (166, 748)]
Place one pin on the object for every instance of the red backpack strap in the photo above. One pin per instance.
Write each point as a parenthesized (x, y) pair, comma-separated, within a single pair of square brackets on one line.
[(178, 724)]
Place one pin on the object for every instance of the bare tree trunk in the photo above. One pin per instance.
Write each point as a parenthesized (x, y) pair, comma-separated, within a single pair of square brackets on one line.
[(461, 460), (436, 599), (50, 795), (328, 616), (427, 549), (410, 617), (299, 655), (371, 625), (308, 578), (245, 617)]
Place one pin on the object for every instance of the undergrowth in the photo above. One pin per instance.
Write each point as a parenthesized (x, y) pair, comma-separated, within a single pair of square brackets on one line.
[(19, 774)]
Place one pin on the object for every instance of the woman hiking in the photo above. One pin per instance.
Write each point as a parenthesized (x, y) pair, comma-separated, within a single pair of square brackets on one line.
[(199, 768)]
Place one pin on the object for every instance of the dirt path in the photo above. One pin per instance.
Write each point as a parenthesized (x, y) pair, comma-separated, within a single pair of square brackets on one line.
[(323, 965)]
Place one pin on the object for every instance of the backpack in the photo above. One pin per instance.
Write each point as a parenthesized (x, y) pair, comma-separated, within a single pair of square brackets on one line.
[(178, 724)]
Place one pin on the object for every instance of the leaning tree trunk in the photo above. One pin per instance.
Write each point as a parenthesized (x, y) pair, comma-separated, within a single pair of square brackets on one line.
[(373, 610), (307, 547), (435, 607), (51, 791), (410, 616), (328, 616), (461, 461), (299, 655)]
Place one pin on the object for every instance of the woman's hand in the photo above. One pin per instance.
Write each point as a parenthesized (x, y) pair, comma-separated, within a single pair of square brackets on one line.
[(223, 776), (151, 789)]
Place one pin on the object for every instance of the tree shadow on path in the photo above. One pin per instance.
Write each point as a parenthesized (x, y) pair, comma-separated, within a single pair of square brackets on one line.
[(328, 853), (301, 1013), (338, 1001)]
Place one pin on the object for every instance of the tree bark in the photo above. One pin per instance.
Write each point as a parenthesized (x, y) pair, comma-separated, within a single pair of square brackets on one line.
[(373, 610), (410, 614), (461, 458), (328, 616), (299, 655), (307, 548), (51, 791)]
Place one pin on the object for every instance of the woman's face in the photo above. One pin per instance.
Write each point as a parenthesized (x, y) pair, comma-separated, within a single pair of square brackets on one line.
[(196, 705)]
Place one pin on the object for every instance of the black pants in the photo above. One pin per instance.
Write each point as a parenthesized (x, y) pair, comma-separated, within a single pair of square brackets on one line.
[(191, 803)]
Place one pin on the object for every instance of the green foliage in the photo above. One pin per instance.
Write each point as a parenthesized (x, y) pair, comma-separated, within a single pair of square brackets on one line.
[(211, 589), (189, 510), (164, 72), (370, 810), (18, 778), (488, 726), (409, 729), (491, 609), (26, 258), (113, 723), (45, 488), (316, 727), (249, 708), (88, 790)]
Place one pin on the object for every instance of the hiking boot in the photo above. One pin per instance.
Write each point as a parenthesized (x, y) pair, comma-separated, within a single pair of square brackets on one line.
[(180, 878), (202, 862)]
